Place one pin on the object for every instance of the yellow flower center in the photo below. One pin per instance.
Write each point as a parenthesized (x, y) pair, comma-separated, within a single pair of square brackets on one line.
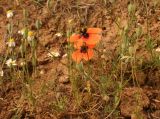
[(30, 33), (9, 11), (11, 40)]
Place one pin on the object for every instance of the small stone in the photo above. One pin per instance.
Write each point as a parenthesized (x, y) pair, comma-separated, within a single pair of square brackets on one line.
[(104, 50), (106, 98), (103, 56), (1, 73), (42, 72), (64, 79), (53, 54), (58, 34), (65, 55)]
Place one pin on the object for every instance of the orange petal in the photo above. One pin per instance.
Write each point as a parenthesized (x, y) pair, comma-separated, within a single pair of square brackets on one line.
[(78, 44), (91, 46), (94, 30), (93, 39), (74, 37), (87, 56), (77, 56)]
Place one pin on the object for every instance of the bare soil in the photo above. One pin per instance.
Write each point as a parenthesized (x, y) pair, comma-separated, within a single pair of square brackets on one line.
[(52, 81)]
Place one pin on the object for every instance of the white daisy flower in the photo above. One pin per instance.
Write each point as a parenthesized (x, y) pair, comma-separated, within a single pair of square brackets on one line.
[(11, 43), (10, 62), (157, 49), (9, 14), (23, 63), (22, 31), (30, 36)]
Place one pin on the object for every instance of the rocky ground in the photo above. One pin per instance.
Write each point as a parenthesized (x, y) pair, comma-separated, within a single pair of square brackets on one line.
[(52, 81)]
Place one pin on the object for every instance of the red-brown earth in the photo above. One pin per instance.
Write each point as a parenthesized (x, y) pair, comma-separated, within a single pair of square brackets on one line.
[(52, 81)]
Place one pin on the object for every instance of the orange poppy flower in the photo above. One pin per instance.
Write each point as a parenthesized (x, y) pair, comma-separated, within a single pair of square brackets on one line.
[(85, 52), (81, 43), (90, 36)]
